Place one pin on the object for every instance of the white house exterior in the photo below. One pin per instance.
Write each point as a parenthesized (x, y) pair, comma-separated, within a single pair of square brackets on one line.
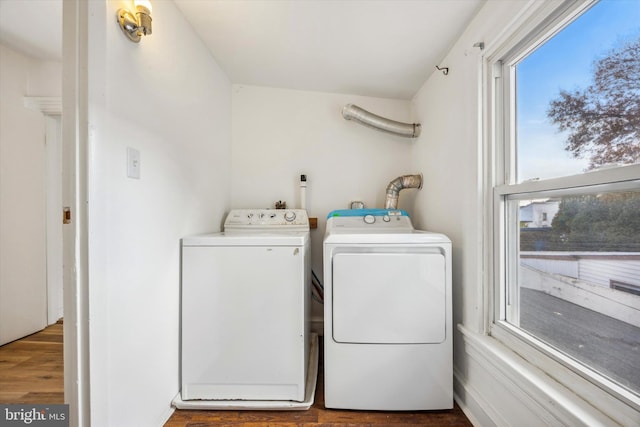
[(538, 214)]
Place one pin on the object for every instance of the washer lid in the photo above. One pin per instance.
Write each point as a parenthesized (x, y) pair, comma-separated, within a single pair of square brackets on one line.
[(292, 238)]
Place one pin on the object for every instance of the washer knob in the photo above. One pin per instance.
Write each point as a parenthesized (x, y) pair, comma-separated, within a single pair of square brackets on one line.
[(289, 216), (369, 219), (386, 218)]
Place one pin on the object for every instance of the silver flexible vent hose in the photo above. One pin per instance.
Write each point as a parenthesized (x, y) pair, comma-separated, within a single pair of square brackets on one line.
[(353, 112), (398, 184)]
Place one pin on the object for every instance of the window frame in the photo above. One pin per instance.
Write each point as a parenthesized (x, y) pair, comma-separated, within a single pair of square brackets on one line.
[(537, 25)]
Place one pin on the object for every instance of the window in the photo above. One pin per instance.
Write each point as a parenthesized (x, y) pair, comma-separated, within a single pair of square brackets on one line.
[(565, 190)]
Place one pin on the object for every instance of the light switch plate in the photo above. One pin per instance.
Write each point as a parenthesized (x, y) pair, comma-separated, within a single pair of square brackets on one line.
[(133, 163)]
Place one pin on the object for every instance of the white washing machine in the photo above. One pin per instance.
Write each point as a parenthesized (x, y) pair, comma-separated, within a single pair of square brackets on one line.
[(245, 308), (387, 313)]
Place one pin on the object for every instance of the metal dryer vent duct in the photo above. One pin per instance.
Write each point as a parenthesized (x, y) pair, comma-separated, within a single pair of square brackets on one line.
[(353, 112), (398, 184)]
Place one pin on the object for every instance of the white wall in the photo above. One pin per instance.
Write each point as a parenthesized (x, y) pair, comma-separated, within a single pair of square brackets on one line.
[(169, 99), (493, 384), (449, 154), (279, 134), (23, 293)]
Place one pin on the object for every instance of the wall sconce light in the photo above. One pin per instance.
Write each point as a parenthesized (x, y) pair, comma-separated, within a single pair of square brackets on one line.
[(136, 24)]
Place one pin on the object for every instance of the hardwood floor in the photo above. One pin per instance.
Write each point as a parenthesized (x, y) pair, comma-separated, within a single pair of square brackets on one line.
[(318, 416), (31, 368), (31, 371)]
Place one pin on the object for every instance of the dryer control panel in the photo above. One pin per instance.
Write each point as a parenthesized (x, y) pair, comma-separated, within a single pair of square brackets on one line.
[(370, 219), (274, 219)]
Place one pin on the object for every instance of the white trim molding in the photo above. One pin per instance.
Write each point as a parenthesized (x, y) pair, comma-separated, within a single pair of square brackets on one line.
[(47, 105), (512, 389)]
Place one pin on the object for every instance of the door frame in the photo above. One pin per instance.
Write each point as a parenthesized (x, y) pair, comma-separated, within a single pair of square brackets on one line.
[(51, 108), (75, 136)]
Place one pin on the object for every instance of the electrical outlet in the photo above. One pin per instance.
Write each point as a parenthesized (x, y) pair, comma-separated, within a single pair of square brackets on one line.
[(133, 163)]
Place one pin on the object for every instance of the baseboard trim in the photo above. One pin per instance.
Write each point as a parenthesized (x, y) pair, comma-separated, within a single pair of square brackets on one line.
[(470, 401), (167, 414)]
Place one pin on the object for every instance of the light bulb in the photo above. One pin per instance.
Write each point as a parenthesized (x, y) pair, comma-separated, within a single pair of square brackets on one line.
[(143, 3)]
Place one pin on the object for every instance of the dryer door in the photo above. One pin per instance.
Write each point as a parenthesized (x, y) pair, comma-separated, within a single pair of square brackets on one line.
[(389, 297)]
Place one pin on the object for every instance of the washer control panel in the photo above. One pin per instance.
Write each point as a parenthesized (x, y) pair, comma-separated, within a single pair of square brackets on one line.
[(266, 218)]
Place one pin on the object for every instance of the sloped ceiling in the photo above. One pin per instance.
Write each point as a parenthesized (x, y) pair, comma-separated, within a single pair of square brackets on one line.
[(383, 48)]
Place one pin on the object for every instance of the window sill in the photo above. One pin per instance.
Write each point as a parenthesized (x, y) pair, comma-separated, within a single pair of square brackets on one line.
[(544, 385)]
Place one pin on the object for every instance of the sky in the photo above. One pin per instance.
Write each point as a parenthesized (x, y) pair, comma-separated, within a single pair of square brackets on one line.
[(565, 62)]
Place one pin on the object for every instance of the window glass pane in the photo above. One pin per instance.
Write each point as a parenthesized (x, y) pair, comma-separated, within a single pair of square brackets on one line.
[(578, 95), (578, 278)]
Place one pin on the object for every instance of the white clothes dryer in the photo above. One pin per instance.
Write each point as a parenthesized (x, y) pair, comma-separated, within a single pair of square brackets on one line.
[(245, 308), (387, 313)]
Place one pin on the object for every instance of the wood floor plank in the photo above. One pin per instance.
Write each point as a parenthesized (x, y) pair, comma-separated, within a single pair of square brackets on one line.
[(42, 398), (32, 368), (10, 396)]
